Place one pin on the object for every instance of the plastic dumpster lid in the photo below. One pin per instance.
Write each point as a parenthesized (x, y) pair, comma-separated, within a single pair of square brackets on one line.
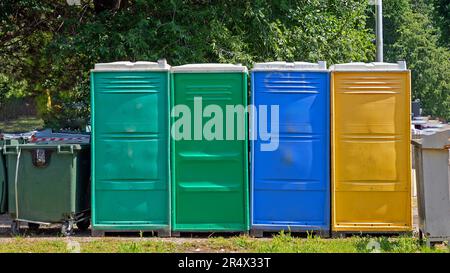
[(295, 66), (62, 146), (399, 66), (49, 137), (209, 67), (161, 65), (438, 140)]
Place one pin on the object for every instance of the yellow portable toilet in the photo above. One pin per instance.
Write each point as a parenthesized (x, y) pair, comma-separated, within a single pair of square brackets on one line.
[(371, 158)]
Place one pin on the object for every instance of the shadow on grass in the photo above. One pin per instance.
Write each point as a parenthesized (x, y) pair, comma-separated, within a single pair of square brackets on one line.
[(20, 125)]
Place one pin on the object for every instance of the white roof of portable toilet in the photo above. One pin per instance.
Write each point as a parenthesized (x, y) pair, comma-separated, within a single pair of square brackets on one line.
[(293, 66), (209, 67), (161, 65), (399, 66)]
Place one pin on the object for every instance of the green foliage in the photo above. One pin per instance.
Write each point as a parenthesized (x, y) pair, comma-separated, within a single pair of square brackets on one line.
[(56, 56), (442, 18), (49, 47), (12, 89), (413, 37), (227, 31)]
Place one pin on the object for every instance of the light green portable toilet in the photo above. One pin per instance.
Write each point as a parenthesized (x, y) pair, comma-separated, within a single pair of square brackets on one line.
[(130, 147), (210, 175)]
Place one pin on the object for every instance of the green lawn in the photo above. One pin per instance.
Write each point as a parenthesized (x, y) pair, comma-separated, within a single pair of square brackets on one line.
[(279, 244), (24, 124)]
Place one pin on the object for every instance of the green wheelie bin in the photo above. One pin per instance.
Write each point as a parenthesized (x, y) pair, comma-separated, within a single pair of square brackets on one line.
[(47, 184)]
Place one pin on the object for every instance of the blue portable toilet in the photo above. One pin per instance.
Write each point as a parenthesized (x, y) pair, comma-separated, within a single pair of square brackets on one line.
[(290, 174)]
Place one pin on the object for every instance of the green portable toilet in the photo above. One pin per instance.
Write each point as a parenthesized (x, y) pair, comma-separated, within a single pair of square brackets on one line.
[(130, 147), (209, 163)]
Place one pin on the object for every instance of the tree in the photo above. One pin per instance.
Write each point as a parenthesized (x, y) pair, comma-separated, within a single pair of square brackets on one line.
[(57, 58), (411, 36), (442, 18)]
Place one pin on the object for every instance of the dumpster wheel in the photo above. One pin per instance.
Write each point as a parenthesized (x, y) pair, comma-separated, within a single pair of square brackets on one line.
[(84, 224), (33, 226), (67, 228), (15, 228)]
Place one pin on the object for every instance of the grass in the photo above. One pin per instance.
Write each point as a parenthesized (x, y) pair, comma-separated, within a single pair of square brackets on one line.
[(23, 124), (282, 243)]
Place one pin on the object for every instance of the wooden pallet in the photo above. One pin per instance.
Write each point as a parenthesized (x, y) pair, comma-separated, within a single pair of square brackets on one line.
[(190, 234), (344, 234), (162, 233), (260, 233)]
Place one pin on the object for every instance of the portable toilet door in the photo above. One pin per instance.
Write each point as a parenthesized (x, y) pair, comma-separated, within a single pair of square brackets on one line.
[(371, 154), (290, 182), (209, 160), (130, 146)]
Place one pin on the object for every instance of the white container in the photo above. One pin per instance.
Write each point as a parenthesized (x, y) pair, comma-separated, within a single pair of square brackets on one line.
[(431, 155)]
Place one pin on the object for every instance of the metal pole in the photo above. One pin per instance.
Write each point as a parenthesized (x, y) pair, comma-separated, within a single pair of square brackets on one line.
[(379, 26)]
